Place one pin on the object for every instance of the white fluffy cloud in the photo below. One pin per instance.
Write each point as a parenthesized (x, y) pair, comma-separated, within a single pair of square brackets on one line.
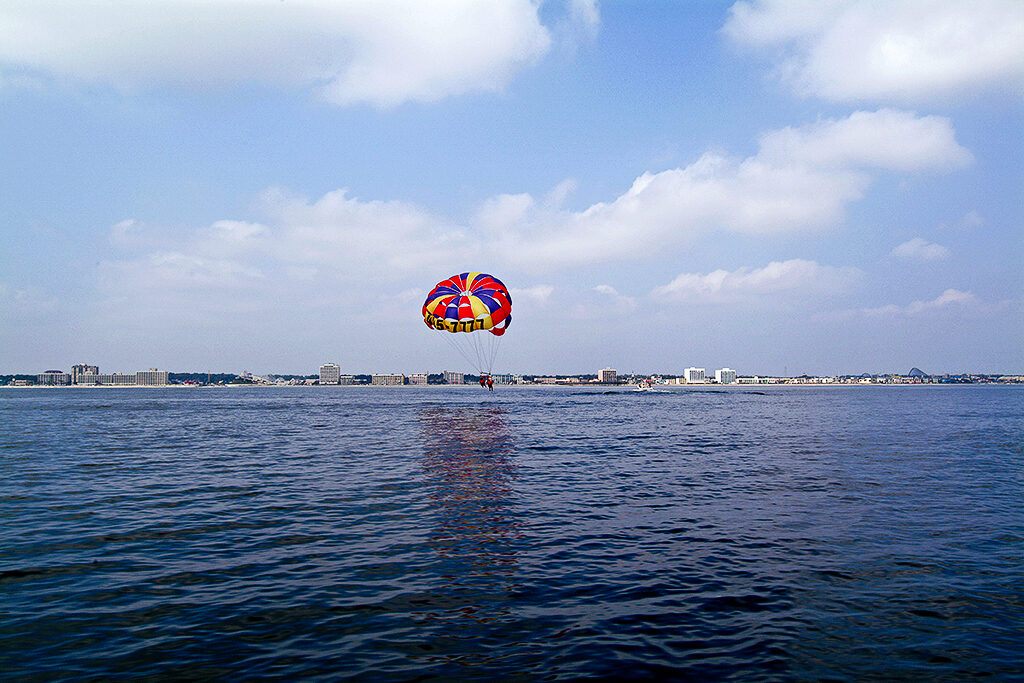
[(618, 302), (177, 271), (540, 294), (886, 139), (951, 298), (919, 249), (364, 238), (972, 220), (795, 277), (379, 51), (600, 302), (802, 178), (888, 50)]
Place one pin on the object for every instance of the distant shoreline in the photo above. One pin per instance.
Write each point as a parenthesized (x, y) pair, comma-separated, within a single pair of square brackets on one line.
[(623, 387)]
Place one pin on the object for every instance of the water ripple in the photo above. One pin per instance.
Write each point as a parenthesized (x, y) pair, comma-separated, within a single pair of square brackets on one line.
[(440, 533)]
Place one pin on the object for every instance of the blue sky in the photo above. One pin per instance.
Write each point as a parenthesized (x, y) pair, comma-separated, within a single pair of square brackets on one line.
[(826, 187)]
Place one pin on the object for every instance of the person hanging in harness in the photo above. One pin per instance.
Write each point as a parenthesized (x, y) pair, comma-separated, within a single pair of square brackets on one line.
[(483, 381), (490, 384)]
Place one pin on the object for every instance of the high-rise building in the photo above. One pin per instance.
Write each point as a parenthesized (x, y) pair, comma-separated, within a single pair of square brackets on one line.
[(725, 376), (694, 375), (330, 373), (151, 378), (452, 377), (83, 369), (607, 376)]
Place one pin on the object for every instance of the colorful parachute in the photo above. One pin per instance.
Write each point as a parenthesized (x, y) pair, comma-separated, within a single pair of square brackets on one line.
[(468, 303)]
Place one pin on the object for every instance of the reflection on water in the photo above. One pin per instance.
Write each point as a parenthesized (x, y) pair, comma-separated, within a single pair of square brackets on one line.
[(469, 469), (791, 534)]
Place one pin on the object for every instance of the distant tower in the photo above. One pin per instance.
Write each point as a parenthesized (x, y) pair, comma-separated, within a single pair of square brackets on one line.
[(82, 369), (695, 375), (330, 373)]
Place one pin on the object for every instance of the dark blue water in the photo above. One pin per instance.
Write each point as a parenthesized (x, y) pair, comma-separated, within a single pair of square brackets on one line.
[(415, 533)]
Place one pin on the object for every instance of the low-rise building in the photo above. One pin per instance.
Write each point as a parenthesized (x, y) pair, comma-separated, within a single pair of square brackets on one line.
[(418, 378), (346, 379), (53, 378), (452, 377), (116, 379), (758, 380), (387, 380)]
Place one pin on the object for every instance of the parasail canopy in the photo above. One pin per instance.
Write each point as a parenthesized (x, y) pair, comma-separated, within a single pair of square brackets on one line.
[(467, 305), (469, 302)]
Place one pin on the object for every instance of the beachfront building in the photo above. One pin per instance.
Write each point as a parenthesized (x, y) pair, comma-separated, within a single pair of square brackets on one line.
[(116, 379), (694, 376), (725, 376), (387, 380), (53, 378), (346, 379), (758, 380), (452, 377), (330, 373), (607, 376), (418, 378), (152, 378), (83, 369)]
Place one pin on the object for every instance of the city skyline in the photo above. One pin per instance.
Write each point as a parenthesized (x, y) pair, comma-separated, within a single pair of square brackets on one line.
[(821, 190), (84, 374)]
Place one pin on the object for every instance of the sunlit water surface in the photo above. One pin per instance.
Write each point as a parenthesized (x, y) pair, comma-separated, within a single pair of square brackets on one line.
[(417, 533)]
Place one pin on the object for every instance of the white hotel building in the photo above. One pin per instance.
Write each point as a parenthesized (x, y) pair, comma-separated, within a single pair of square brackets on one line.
[(725, 376), (695, 376), (330, 373), (152, 378)]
